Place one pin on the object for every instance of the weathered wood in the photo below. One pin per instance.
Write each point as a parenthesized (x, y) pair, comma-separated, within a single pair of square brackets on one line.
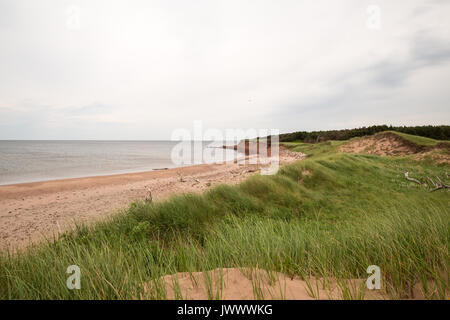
[(411, 179), (149, 196), (432, 182), (181, 177), (437, 185)]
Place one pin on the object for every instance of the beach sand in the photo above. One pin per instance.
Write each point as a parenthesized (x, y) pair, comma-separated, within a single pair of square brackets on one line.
[(250, 284), (32, 212)]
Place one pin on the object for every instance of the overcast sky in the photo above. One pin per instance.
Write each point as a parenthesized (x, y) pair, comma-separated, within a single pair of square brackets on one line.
[(135, 69)]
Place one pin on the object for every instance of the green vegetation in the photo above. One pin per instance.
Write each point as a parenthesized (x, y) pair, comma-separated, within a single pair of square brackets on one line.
[(316, 149), (330, 216), (433, 132), (421, 141)]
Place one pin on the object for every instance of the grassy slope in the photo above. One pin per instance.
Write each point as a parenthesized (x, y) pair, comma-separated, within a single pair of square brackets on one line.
[(421, 141), (351, 212)]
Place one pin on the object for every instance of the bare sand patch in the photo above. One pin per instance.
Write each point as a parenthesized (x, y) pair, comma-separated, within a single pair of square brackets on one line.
[(439, 156), (384, 144), (250, 284)]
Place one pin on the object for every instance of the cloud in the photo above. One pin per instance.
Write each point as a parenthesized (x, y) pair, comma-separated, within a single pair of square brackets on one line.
[(141, 69), (95, 108), (383, 91)]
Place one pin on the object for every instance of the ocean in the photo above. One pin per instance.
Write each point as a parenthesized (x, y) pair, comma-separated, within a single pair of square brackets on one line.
[(30, 161)]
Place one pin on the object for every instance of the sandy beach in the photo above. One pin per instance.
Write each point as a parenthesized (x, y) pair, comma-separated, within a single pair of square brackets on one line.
[(31, 212)]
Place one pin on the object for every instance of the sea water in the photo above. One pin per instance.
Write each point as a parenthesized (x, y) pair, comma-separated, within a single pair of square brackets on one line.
[(29, 161)]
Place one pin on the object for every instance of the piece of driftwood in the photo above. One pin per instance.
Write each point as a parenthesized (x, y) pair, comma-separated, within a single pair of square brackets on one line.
[(436, 185), (149, 197), (411, 179), (180, 176), (432, 182)]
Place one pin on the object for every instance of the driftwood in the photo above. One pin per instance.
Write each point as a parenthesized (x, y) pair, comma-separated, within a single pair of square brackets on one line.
[(181, 177), (436, 185), (411, 179), (149, 197), (432, 182)]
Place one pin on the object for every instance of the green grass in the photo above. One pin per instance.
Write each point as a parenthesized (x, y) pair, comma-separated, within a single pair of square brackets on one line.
[(348, 212), (421, 141), (314, 149)]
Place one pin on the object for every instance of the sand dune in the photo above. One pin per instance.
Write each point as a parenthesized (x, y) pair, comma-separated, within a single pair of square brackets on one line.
[(391, 144)]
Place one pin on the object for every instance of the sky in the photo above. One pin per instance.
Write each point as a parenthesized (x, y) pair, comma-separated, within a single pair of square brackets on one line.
[(139, 70)]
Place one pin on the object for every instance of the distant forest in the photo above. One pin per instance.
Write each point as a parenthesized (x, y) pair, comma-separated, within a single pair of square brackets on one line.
[(434, 132)]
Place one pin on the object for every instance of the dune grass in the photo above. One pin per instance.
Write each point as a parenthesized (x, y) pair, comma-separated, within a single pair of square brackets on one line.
[(316, 150), (421, 141), (330, 216)]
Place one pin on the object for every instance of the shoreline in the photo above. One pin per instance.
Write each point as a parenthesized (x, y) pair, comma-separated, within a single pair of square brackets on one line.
[(38, 180), (33, 211), (12, 189)]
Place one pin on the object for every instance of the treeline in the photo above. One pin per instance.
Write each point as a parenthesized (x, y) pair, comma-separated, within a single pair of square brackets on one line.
[(434, 132)]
